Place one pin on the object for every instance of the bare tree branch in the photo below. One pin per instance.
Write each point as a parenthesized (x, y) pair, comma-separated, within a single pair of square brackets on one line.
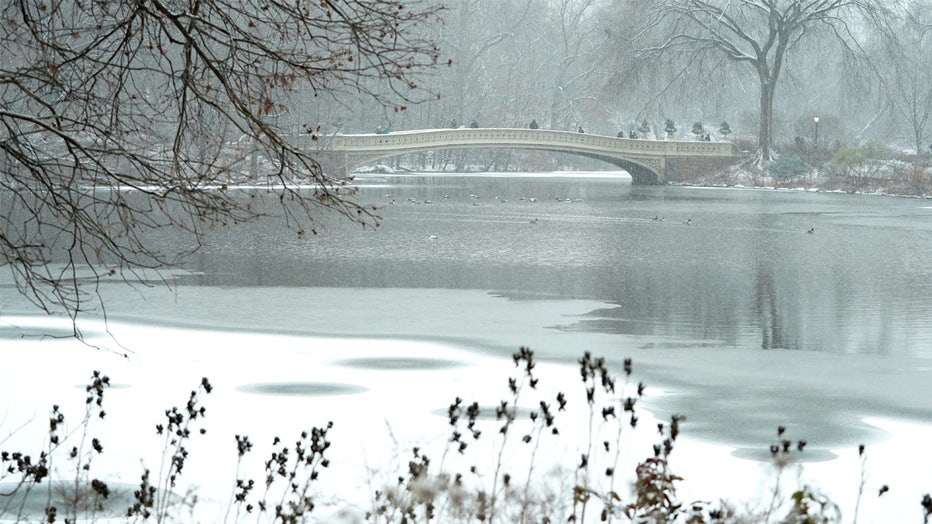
[(122, 118), (758, 34)]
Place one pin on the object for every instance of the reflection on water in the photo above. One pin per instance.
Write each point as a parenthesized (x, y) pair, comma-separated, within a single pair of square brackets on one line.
[(301, 389)]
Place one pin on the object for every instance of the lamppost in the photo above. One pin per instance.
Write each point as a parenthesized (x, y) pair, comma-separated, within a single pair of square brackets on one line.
[(815, 140)]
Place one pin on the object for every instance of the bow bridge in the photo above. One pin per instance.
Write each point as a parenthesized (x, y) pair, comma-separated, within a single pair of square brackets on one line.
[(645, 160)]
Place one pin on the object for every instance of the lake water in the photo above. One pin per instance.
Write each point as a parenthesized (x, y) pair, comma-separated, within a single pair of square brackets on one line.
[(732, 311)]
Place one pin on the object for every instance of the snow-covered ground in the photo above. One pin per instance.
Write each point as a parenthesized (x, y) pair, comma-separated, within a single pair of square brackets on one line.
[(385, 396)]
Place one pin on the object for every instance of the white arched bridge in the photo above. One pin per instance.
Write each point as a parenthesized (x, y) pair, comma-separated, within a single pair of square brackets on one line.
[(645, 160)]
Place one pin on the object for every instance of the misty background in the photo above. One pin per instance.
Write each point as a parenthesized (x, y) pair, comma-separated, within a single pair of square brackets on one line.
[(586, 63)]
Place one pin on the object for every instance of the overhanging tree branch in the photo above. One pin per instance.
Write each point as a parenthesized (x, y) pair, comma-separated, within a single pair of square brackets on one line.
[(122, 118)]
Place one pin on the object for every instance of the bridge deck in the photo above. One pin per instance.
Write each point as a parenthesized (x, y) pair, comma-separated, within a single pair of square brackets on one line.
[(507, 137)]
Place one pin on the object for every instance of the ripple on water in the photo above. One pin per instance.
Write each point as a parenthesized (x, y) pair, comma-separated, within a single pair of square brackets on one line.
[(399, 363), (30, 504), (765, 455), (488, 413), (301, 389)]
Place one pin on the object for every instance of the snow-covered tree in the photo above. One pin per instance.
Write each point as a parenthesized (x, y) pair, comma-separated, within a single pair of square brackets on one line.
[(698, 130), (644, 129), (724, 129)]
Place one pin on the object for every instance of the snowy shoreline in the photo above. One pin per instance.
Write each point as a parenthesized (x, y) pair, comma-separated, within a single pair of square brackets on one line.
[(268, 366)]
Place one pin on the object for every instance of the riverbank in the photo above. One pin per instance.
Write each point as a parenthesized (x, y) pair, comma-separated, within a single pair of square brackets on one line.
[(387, 397), (909, 178)]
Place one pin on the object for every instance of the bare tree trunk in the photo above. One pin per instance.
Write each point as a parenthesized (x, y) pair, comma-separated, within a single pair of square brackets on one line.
[(756, 34), (765, 140)]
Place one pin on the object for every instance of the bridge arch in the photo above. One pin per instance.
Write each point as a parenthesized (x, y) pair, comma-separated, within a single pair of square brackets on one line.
[(640, 174), (645, 160)]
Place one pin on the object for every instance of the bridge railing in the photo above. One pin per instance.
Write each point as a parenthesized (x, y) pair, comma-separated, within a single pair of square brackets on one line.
[(505, 137)]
